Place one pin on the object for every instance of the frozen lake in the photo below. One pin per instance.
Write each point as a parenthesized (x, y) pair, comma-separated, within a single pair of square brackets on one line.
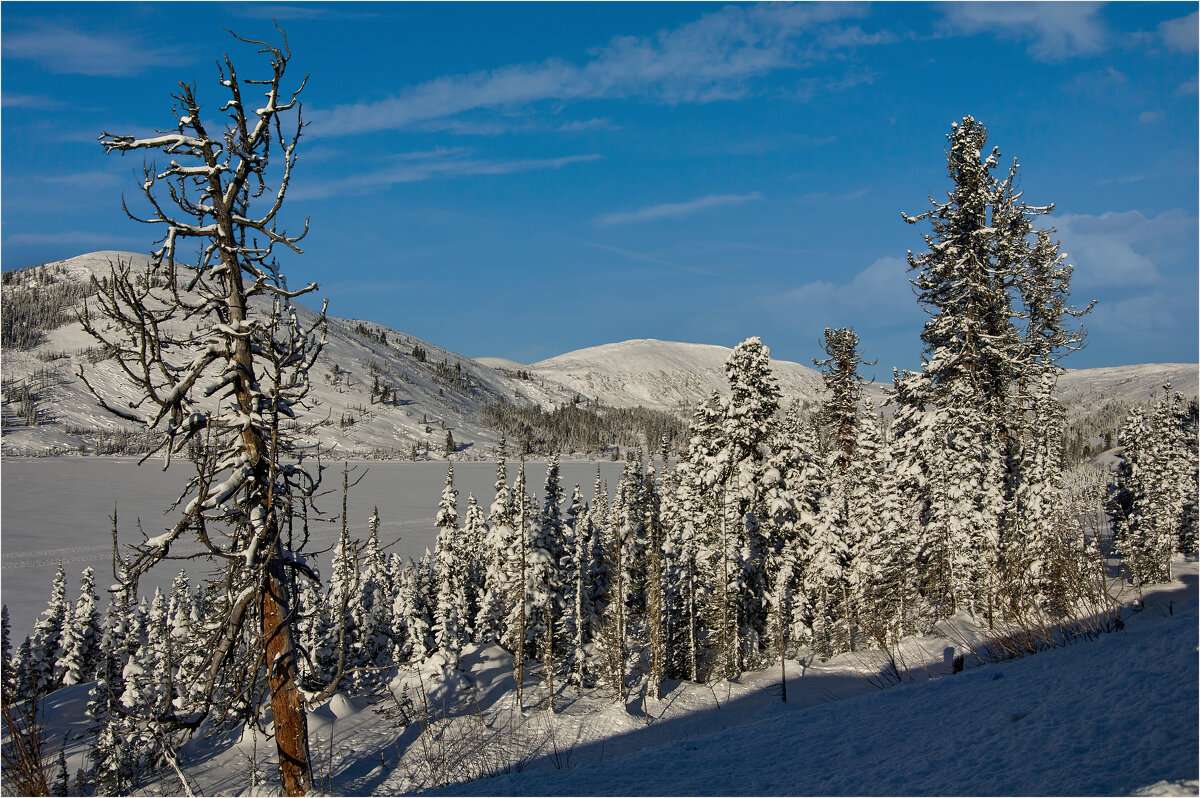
[(57, 509)]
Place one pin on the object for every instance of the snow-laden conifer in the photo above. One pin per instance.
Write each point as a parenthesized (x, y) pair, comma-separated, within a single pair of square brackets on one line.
[(81, 637), (450, 575), (474, 534), (6, 654), (47, 642)]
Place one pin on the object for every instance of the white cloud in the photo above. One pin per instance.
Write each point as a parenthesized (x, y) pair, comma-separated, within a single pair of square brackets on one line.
[(587, 124), (1188, 87), (712, 58), (1055, 30), (825, 196), (79, 238), (277, 11), (1139, 317), (1148, 117), (628, 253), (11, 99), (880, 296), (85, 180), (1114, 250), (65, 51), (1101, 80), (415, 167), (673, 210), (1180, 34)]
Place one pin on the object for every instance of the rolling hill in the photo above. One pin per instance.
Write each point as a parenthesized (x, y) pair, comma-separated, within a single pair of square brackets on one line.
[(430, 391)]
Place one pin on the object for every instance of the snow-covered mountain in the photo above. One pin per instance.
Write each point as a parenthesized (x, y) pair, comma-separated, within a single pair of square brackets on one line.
[(433, 391), (666, 375), (1128, 384), (677, 376)]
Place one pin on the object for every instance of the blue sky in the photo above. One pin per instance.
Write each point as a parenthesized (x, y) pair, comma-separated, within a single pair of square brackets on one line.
[(521, 180)]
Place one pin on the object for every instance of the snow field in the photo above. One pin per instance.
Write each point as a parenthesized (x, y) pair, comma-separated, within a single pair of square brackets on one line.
[(1113, 716), (1105, 717), (57, 510)]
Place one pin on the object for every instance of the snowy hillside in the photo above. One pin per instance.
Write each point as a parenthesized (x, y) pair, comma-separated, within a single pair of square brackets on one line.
[(1112, 716), (1129, 384), (663, 374), (676, 376), (430, 391)]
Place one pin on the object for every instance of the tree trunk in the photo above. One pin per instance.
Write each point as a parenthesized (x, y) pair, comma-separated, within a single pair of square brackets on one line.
[(291, 723)]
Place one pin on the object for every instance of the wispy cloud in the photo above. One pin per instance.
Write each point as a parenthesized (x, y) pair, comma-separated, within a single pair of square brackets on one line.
[(1149, 117), (1180, 34), (878, 297), (85, 180), (432, 165), (628, 253), (673, 210), (498, 125), (76, 238), (1102, 79), (1117, 250), (713, 58), (279, 11), (1055, 31), (11, 99), (66, 51), (825, 196), (580, 125), (1122, 181)]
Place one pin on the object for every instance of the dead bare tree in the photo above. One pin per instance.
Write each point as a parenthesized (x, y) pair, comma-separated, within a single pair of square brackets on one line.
[(216, 354)]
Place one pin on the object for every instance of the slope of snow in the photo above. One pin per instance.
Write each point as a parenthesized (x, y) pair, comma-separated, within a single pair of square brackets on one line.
[(501, 363), (666, 375), (349, 421), (1097, 718), (1112, 716), (1130, 384)]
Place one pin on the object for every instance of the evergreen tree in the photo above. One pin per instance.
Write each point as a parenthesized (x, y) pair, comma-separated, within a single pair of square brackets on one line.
[(579, 616), (748, 429), (518, 622), (1154, 499), (47, 644), (474, 534), (491, 620), (81, 637), (6, 653), (977, 256), (373, 617), (657, 621), (451, 577), (552, 541), (843, 385), (24, 677)]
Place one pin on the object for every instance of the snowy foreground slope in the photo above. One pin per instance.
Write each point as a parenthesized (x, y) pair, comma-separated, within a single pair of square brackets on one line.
[(1104, 717), (1113, 716)]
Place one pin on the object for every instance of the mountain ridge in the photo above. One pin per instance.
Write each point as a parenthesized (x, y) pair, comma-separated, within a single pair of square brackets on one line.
[(433, 391)]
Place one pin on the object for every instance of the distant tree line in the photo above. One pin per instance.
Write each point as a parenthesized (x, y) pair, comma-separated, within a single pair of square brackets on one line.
[(579, 429)]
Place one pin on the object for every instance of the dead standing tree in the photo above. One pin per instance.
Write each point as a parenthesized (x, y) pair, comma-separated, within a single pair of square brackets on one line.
[(218, 357)]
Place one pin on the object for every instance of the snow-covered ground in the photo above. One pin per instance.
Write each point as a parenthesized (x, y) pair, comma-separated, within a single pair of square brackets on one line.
[(1112, 716), (56, 509)]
